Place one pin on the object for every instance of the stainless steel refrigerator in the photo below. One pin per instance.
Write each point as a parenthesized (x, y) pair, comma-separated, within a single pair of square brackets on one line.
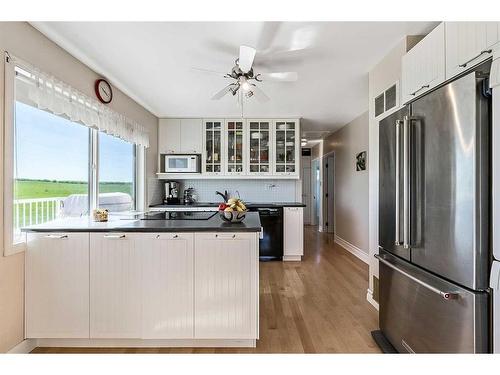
[(434, 199)]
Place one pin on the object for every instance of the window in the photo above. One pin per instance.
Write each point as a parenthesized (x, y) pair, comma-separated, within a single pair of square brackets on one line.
[(51, 163), (116, 174), (55, 167)]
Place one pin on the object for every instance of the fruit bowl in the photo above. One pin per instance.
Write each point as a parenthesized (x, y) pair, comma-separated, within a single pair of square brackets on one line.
[(233, 211), (233, 216)]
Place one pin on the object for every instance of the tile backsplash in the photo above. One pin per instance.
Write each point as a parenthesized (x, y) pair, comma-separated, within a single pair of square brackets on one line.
[(250, 190)]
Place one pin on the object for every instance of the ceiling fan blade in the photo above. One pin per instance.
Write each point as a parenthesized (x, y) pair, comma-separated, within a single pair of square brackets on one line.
[(259, 94), (279, 77), (226, 90), (245, 61), (209, 71)]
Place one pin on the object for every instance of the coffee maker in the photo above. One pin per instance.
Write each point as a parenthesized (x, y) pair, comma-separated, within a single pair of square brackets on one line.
[(172, 192)]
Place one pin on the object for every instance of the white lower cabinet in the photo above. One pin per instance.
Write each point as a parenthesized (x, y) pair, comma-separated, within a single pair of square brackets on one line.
[(167, 261), (115, 285), (142, 285), (226, 286), (57, 285), (293, 233)]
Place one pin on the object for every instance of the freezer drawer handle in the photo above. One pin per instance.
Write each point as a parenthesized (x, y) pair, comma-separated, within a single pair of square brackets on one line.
[(115, 236), (446, 295), (475, 57)]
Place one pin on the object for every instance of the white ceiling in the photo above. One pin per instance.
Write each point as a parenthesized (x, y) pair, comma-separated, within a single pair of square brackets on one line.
[(151, 62)]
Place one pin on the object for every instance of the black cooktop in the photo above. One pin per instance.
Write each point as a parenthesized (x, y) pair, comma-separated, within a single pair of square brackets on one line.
[(177, 215)]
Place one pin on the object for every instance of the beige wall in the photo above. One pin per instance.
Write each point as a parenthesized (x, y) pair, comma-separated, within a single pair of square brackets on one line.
[(25, 42), (351, 186)]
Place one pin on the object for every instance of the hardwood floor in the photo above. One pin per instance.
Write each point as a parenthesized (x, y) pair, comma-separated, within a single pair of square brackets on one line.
[(315, 306)]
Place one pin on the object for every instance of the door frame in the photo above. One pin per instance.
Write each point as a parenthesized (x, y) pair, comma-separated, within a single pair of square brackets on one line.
[(328, 192)]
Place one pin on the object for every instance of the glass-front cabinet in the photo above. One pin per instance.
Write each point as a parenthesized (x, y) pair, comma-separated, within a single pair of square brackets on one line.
[(259, 146), (235, 147), (213, 132), (286, 147)]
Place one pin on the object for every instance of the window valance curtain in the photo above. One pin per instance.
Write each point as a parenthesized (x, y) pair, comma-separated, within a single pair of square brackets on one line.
[(49, 93)]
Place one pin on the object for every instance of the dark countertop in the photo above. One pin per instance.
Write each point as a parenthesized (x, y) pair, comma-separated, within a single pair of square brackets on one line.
[(215, 204), (121, 224)]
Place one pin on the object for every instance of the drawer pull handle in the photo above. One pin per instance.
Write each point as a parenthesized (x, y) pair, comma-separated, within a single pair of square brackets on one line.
[(114, 236), (423, 87), (57, 236), (233, 236), (475, 57), (176, 236), (445, 294)]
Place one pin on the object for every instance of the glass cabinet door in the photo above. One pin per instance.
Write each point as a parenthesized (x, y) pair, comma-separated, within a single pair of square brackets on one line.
[(286, 147), (213, 146), (259, 135), (234, 146)]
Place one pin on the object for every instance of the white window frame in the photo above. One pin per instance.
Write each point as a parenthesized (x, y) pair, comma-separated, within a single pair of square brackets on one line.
[(7, 139)]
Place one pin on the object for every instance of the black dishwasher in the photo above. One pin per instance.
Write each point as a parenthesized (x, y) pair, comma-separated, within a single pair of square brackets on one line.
[(271, 239)]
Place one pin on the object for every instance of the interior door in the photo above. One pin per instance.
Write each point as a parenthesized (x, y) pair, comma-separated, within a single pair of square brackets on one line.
[(449, 139), (391, 172)]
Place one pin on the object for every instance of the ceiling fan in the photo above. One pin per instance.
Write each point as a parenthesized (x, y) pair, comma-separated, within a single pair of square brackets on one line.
[(245, 79)]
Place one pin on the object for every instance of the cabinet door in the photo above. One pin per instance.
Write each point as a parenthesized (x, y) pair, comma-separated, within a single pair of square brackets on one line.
[(115, 286), (259, 147), (234, 147), (469, 43), (293, 222), (167, 285), (191, 136), (57, 285), (286, 147), (212, 154), (226, 286), (423, 67), (169, 136)]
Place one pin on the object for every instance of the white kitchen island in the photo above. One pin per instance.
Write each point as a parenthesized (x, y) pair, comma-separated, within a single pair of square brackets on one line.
[(136, 284)]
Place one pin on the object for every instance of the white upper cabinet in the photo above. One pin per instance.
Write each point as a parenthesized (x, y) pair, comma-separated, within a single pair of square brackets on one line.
[(469, 43), (234, 149), (259, 147), (180, 136), (169, 136), (286, 139), (191, 136), (213, 132), (423, 67)]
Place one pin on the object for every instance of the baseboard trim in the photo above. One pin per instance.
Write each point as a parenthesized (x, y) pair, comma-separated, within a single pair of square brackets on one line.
[(153, 343), (24, 347), (356, 251), (369, 298), (292, 258)]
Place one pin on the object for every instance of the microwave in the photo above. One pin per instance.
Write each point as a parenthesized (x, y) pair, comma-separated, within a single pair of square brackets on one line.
[(182, 163)]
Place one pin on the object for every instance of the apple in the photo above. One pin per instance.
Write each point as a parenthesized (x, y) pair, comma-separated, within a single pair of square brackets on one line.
[(222, 206)]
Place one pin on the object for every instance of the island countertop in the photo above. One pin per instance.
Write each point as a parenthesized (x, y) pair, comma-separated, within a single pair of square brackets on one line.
[(124, 224)]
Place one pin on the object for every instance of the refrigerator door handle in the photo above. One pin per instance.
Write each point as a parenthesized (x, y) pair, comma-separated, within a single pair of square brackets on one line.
[(447, 295), (397, 240), (406, 182)]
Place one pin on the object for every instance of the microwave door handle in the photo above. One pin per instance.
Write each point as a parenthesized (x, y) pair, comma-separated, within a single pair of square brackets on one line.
[(397, 240)]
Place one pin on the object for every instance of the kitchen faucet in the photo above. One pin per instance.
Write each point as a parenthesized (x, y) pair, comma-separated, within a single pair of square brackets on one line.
[(224, 196)]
